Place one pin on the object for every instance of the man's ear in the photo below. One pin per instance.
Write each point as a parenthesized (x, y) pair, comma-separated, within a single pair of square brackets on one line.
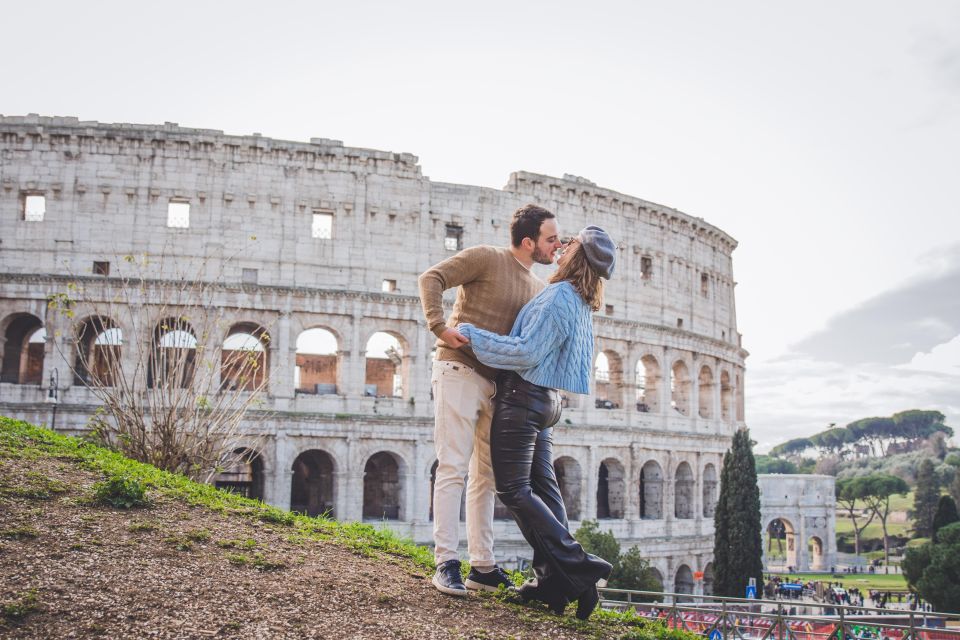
[(528, 244)]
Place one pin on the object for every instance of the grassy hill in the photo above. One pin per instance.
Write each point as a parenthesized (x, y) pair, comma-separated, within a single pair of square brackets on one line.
[(95, 545)]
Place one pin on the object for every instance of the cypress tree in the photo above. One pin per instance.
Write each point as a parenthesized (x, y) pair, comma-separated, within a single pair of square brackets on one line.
[(925, 499), (738, 544), (946, 514)]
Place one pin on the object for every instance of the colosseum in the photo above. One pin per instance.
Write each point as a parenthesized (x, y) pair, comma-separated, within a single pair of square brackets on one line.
[(334, 238)]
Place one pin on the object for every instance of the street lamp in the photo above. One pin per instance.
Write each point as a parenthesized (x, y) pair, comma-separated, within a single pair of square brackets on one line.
[(52, 391)]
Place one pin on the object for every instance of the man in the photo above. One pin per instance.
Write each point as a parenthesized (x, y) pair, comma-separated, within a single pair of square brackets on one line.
[(494, 284)]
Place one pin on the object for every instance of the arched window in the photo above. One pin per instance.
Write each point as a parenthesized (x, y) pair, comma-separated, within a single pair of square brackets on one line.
[(651, 491), (242, 473), (705, 392), (683, 582), (243, 359), (726, 397), (680, 387), (317, 362), (382, 491), (708, 579), (23, 350), (648, 384), (312, 487), (608, 372), (610, 489), (683, 492), (173, 358), (709, 491), (99, 343), (569, 480), (385, 366)]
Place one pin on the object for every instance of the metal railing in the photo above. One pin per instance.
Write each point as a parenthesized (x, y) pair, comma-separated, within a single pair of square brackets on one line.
[(742, 619)]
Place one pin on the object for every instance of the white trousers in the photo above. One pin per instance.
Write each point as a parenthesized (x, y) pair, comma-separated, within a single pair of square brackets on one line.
[(463, 401)]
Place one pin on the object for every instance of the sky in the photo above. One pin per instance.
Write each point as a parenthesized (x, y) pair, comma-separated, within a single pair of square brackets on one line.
[(823, 136)]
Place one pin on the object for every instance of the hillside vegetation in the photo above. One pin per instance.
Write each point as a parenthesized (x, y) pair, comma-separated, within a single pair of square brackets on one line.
[(95, 545)]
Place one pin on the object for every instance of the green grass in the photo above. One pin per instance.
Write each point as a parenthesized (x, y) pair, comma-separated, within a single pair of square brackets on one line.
[(883, 582), (19, 440), (874, 529)]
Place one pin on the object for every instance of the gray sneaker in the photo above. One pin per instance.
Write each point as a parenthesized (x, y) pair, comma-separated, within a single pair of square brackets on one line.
[(447, 579)]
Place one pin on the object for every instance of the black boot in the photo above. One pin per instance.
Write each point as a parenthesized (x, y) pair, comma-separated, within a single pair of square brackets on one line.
[(587, 602)]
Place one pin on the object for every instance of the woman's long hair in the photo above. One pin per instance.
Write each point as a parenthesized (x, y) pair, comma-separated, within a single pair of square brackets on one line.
[(578, 272)]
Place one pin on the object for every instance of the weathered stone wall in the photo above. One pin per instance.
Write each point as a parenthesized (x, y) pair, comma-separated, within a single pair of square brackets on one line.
[(107, 187)]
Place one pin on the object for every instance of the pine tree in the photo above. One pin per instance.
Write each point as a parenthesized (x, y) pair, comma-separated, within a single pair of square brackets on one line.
[(925, 499), (946, 514), (738, 545)]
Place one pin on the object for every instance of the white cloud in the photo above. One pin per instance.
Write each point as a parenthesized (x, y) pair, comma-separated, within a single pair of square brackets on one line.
[(944, 358)]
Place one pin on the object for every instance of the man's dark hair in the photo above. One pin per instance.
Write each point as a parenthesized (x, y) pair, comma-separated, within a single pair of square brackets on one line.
[(526, 223)]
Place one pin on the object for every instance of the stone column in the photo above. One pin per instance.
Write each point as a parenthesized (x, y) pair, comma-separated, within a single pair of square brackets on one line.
[(353, 364), (279, 483), (592, 478), (283, 360)]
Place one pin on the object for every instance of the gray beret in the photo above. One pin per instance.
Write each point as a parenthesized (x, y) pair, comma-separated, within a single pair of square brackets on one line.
[(599, 249)]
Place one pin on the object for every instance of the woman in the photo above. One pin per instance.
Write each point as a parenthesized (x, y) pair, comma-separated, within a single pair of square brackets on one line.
[(549, 348)]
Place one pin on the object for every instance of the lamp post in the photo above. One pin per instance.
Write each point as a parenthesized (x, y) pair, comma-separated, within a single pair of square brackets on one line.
[(52, 391)]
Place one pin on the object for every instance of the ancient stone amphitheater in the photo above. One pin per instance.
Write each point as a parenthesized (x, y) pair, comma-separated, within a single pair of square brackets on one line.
[(341, 235)]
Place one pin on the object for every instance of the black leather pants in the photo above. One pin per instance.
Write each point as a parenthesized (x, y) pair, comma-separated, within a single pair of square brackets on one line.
[(521, 451)]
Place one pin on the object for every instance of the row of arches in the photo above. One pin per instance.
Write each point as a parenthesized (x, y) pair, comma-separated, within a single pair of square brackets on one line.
[(647, 384), (315, 473), (174, 349), (245, 347)]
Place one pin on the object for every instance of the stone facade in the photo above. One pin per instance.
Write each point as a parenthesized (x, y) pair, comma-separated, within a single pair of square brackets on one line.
[(341, 235), (800, 510)]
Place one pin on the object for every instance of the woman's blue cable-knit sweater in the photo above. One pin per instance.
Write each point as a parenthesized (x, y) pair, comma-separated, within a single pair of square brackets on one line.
[(551, 343)]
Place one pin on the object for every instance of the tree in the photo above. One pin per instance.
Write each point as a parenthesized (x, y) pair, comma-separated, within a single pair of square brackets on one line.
[(925, 499), (174, 372), (791, 448), (955, 488), (738, 545), (933, 570), (630, 569), (946, 514), (770, 464), (848, 492), (877, 490)]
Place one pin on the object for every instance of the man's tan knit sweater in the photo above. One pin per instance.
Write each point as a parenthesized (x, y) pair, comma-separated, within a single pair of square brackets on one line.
[(494, 286)]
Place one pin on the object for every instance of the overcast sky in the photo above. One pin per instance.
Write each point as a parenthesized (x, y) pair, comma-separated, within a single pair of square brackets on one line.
[(823, 136)]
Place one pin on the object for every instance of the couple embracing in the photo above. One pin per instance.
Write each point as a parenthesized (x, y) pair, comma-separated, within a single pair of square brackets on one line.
[(511, 343)]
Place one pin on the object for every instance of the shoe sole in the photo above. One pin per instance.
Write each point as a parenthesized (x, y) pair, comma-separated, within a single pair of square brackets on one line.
[(447, 590), (479, 586)]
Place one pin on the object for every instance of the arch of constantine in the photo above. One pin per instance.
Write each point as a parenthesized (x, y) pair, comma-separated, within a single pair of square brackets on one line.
[(799, 519), (327, 242)]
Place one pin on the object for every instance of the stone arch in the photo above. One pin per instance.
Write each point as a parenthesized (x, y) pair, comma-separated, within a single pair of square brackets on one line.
[(611, 490), (648, 384), (312, 488), (242, 473), (317, 361), (709, 490), (24, 343), (608, 374), (781, 547), (386, 365), (726, 397), (708, 579), (383, 487), (683, 492), (683, 582), (173, 354), (815, 553), (569, 479), (244, 359), (705, 392), (99, 341), (651, 491), (680, 387)]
